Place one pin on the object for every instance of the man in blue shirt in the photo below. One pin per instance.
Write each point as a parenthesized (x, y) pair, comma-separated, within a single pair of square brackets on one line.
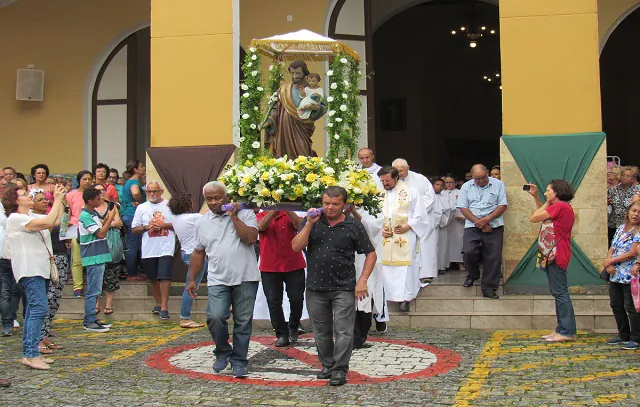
[(482, 201)]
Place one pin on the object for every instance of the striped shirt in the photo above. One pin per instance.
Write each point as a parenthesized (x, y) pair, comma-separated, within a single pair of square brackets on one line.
[(93, 250)]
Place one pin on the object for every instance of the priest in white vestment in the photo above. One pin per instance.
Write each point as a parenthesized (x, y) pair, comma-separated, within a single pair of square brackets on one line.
[(374, 304), (443, 211), (428, 247), (401, 231), (366, 158), (455, 230)]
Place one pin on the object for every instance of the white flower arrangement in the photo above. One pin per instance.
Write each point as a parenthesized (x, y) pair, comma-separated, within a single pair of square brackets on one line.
[(271, 67), (338, 119), (334, 86), (254, 57), (343, 60), (336, 136), (259, 88), (252, 49), (329, 124), (330, 72), (331, 113), (250, 64), (253, 127), (344, 96), (254, 73), (245, 116), (255, 144), (244, 87), (343, 108), (245, 95)]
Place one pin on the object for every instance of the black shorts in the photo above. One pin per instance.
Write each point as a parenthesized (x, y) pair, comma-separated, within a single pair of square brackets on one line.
[(158, 268)]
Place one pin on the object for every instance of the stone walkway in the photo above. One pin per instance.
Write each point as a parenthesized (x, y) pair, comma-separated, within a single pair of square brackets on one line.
[(159, 364)]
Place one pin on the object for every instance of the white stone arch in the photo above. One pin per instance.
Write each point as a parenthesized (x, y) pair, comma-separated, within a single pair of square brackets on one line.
[(619, 20), (89, 85)]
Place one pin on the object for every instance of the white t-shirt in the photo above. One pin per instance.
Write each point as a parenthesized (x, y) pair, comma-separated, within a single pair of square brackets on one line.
[(155, 244), (29, 256), (3, 225), (184, 226)]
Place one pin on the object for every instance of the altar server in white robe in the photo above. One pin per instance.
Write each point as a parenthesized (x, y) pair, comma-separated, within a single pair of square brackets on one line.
[(428, 248), (401, 231), (443, 212), (455, 230), (366, 157), (374, 304)]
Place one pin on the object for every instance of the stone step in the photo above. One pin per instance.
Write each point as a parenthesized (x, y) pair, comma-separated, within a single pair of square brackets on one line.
[(138, 289), (131, 304), (507, 304), (453, 291)]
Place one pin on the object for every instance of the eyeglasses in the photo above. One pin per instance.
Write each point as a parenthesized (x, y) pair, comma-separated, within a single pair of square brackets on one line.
[(154, 191)]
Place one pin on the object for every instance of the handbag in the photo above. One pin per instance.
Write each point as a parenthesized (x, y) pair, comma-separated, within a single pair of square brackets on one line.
[(54, 275), (635, 292), (604, 274), (114, 240)]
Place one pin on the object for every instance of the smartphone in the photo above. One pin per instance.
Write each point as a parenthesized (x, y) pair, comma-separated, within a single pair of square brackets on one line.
[(110, 205), (526, 187)]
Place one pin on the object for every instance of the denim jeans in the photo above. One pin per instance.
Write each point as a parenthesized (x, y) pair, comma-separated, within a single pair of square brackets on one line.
[(35, 290), (333, 312), (134, 242), (10, 293), (95, 275), (243, 298), (564, 308), (187, 301)]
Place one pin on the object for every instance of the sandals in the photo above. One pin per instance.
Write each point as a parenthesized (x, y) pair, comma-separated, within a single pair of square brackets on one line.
[(49, 344), (187, 323), (45, 350), (108, 311)]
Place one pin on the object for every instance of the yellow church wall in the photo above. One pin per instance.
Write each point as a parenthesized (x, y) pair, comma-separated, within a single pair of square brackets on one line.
[(64, 38)]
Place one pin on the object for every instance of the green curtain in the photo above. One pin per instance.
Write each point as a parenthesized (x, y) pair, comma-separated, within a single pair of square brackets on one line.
[(542, 159)]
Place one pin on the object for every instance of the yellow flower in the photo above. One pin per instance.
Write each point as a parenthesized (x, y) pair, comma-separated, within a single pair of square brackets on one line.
[(316, 159), (311, 177), (241, 191), (276, 195), (328, 180), (358, 201), (248, 163), (265, 176), (247, 180), (301, 159), (298, 190), (265, 192)]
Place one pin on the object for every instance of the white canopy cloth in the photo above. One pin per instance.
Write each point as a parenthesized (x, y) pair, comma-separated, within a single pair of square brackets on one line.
[(303, 44)]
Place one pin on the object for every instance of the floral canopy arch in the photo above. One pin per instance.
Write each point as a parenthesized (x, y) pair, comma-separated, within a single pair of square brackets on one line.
[(268, 181)]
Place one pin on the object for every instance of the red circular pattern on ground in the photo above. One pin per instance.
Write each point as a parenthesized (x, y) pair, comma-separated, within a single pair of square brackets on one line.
[(446, 360)]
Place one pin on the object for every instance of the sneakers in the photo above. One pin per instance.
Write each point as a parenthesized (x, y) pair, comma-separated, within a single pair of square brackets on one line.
[(164, 314), (220, 364), (294, 336), (631, 345), (239, 372), (104, 324), (77, 293), (96, 327), (615, 341), (7, 331), (156, 310)]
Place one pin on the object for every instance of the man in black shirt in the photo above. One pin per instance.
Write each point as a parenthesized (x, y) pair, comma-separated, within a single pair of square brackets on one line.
[(331, 240)]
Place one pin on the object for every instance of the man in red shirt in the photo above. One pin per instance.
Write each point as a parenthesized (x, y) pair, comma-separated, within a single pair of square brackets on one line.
[(280, 265)]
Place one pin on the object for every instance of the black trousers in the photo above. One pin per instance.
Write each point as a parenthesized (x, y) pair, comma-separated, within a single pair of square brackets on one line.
[(272, 284), (486, 248), (627, 319), (361, 328)]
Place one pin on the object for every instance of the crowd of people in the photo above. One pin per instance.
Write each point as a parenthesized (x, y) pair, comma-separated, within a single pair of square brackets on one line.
[(341, 264)]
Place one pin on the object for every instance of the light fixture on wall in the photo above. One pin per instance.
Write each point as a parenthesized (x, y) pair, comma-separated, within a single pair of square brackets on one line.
[(493, 79), (474, 35)]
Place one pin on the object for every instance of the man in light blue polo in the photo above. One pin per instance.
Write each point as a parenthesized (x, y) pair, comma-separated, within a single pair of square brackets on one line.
[(482, 201)]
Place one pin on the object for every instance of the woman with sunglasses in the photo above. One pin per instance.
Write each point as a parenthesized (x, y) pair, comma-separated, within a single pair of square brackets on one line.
[(29, 241), (60, 254)]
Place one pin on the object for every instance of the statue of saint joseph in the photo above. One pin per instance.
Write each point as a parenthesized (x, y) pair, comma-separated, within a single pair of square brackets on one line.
[(283, 131)]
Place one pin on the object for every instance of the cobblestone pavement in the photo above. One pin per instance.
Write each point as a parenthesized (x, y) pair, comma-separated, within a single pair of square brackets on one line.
[(160, 364)]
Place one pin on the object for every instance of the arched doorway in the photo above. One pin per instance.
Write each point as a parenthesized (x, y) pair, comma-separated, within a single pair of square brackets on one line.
[(120, 103), (443, 117), (620, 87)]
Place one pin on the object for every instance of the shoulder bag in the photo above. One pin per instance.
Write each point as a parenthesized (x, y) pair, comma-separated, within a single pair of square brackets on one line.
[(54, 276)]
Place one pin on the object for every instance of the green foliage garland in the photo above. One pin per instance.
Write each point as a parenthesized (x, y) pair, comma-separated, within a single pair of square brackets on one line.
[(252, 92), (343, 129), (276, 76)]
